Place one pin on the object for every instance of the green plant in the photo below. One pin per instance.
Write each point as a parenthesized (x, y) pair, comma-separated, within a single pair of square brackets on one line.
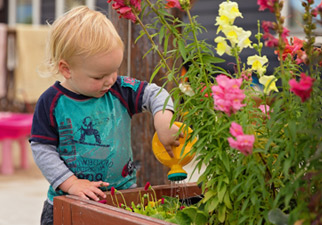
[(261, 149), (170, 209)]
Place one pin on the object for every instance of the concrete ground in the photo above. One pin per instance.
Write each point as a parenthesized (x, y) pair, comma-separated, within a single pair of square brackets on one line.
[(22, 194)]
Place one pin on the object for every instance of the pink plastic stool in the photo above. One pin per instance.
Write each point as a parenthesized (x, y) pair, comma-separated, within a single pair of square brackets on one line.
[(14, 126)]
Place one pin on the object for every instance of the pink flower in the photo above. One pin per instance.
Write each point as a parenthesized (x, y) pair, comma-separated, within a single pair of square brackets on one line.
[(266, 4), (103, 201), (303, 88), (173, 4), (271, 41), (246, 75), (265, 109), (294, 49), (319, 8), (243, 143), (162, 201), (314, 12), (268, 25), (285, 33), (236, 129), (147, 186), (227, 94), (124, 8), (112, 191)]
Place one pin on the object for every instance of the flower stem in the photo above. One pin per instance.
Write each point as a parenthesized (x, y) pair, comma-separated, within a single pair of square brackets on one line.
[(193, 28), (154, 46), (162, 20)]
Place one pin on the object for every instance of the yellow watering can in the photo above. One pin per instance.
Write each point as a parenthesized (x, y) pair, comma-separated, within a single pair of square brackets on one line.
[(180, 158)]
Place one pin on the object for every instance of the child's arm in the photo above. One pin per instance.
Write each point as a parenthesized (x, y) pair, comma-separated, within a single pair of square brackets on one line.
[(167, 135), (60, 176)]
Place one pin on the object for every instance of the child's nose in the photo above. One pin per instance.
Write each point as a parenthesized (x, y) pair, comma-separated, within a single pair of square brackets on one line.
[(108, 80)]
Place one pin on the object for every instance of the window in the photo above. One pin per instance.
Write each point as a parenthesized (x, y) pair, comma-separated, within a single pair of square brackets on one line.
[(29, 11), (24, 11)]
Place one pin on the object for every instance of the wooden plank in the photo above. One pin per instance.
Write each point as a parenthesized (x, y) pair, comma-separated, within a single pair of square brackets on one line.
[(70, 210), (90, 212)]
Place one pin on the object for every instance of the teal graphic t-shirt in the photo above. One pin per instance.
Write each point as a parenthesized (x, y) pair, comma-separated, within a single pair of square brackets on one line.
[(92, 135)]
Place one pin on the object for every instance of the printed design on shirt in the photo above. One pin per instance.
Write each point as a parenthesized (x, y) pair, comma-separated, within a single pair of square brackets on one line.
[(87, 129), (128, 168), (83, 150), (130, 82)]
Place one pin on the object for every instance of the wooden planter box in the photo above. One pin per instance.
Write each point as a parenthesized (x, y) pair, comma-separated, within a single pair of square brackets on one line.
[(70, 210)]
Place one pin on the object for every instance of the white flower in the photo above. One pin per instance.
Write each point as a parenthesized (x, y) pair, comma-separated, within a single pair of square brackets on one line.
[(186, 89)]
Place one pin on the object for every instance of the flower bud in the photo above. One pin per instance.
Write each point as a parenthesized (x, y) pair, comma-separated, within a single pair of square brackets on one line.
[(185, 4)]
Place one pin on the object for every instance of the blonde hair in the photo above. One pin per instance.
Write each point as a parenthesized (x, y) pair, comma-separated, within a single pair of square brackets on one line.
[(80, 32)]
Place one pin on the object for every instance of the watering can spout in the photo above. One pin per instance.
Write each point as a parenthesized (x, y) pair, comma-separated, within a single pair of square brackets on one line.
[(181, 156)]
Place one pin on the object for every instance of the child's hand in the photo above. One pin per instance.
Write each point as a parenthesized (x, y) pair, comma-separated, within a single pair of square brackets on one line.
[(84, 188), (167, 136)]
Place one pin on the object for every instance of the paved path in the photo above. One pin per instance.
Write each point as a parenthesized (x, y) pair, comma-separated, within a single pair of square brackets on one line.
[(22, 194)]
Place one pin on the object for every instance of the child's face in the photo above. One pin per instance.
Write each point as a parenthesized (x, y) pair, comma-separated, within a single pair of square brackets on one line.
[(92, 76)]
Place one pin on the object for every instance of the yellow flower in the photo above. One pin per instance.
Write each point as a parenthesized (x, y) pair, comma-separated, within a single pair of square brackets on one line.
[(257, 63), (269, 83), (237, 36), (230, 11), (222, 21), (151, 204), (222, 46)]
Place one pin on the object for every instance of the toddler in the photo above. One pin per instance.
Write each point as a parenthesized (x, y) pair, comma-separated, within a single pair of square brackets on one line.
[(81, 137)]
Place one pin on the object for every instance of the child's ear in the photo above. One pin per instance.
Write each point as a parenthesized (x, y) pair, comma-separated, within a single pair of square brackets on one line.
[(64, 69)]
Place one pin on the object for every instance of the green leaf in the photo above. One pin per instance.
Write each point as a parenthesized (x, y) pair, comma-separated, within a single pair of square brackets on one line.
[(182, 49), (156, 70), (161, 34), (222, 213), (227, 201), (221, 193), (212, 59), (201, 218), (157, 216), (212, 204), (209, 194), (182, 218)]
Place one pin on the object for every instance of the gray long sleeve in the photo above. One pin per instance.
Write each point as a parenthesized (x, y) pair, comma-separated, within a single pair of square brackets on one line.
[(153, 101), (49, 162)]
